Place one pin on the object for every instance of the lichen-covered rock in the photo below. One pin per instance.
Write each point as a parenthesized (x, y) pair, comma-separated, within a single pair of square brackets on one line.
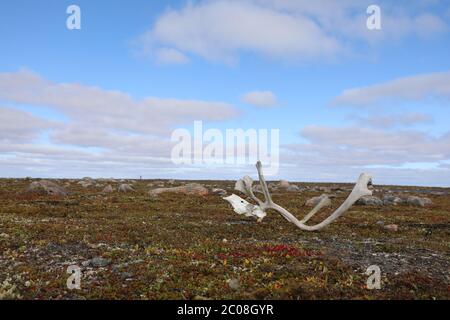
[(293, 187), (322, 189), (418, 201), (284, 184), (315, 201), (189, 189), (108, 189), (86, 183), (219, 191), (234, 284), (125, 188), (392, 200), (391, 227), (47, 187), (370, 201), (99, 262)]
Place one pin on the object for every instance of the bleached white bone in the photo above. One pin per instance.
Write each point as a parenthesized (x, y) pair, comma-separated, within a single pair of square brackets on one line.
[(244, 185), (242, 206)]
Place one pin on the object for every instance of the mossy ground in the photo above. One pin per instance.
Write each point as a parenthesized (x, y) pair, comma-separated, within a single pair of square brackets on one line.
[(186, 247)]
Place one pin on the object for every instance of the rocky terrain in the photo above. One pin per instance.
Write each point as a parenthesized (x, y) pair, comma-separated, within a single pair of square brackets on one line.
[(155, 239)]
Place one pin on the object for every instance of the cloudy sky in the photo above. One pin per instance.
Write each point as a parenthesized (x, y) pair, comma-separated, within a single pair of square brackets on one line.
[(103, 101)]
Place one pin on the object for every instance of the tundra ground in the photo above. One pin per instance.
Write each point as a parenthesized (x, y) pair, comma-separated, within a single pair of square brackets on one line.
[(195, 247)]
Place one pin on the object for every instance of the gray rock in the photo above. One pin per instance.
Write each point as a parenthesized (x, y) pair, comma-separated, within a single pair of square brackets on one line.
[(86, 263), (391, 227), (418, 201), (233, 284), (370, 201), (293, 188), (284, 184), (126, 275), (86, 183), (188, 189), (47, 187), (100, 262), (392, 200), (108, 189), (125, 188), (323, 189), (219, 191)]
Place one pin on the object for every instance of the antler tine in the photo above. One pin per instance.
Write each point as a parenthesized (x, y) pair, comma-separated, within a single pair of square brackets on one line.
[(263, 183), (323, 203), (360, 189)]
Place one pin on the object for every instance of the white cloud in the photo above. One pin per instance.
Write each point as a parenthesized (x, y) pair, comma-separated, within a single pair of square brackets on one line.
[(170, 56), (104, 132), (115, 110), (287, 29), (260, 98), (218, 30), (369, 147), (415, 87), (394, 120), (17, 125)]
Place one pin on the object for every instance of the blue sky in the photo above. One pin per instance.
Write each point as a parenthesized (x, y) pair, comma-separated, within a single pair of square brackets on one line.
[(347, 99)]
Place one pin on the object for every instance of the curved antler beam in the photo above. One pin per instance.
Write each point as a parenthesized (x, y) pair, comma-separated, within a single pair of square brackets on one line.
[(244, 185)]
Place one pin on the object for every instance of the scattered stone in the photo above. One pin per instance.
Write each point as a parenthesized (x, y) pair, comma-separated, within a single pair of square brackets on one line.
[(126, 275), (233, 284), (284, 184), (108, 189), (392, 200), (47, 187), (370, 201), (391, 227), (315, 201), (218, 191), (99, 262), (438, 193), (271, 186), (322, 189), (86, 183), (189, 189), (293, 188), (418, 201), (125, 188), (86, 263)]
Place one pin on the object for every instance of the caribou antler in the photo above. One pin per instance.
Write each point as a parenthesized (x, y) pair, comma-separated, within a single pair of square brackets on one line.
[(244, 185)]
